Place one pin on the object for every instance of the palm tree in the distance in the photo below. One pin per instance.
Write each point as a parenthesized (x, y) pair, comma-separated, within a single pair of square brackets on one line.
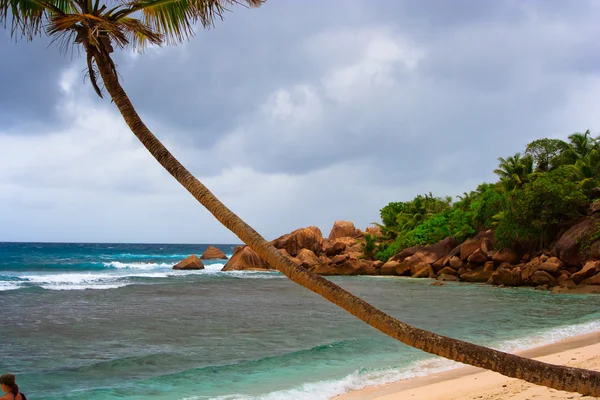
[(98, 26)]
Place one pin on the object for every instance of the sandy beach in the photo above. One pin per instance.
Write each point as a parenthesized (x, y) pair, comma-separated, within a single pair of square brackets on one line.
[(475, 383)]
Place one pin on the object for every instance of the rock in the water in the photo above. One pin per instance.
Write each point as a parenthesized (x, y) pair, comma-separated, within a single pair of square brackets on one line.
[(343, 229), (506, 256), (192, 262), (244, 258), (476, 275), (304, 238), (212, 253), (436, 283)]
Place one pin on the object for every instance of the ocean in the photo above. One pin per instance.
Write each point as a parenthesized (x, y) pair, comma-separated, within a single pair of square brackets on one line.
[(114, 321)]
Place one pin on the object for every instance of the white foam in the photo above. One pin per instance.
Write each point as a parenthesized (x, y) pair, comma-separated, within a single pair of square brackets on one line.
[(138, 265), (359, 379), (8, 286), (549, 336), (324, 390)]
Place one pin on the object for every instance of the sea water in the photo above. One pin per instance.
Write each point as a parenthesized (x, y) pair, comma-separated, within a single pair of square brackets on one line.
[(114, 321)]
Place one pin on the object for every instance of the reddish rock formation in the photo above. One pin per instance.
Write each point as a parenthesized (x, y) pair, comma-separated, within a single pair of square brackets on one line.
[(506, 277), (389, 268), (343, 229), (484, 239), (489, 266), (190, 263), (244, 258), (478, 257), (589, 269), (552, 266), (542, 278), (304, 238), (447, 271), (424, 272), (594, 280), (456, 263), (506, 256), (212, 253), (568, 247), (333, 248), (352, 245), (409, 251), (307, 258), (476, 275)]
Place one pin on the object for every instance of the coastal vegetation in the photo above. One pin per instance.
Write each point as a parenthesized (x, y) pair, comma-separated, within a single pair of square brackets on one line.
[(98, 27), (539, 192)]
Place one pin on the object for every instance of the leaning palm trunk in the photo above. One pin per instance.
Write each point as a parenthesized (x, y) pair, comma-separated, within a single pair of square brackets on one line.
[(558, 377)]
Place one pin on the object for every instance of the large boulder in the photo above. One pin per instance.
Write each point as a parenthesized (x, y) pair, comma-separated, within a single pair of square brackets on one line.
[(334, 247), (440, 249), (212, 253), (506, 256), (413, 264), (389, 268), (307, 258), (425, 271), (483, 241), (552, 266), (352, 245), (568, 247), (456, 262), (309, 238), (190, 263), (542, 278), (244, 258), (343, 229), (507, 277), (478, 257), (476, 275), (594, 280), (590, 269), (409, 251)]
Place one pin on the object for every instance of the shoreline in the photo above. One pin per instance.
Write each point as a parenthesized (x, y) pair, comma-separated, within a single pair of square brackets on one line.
[(470, 382)]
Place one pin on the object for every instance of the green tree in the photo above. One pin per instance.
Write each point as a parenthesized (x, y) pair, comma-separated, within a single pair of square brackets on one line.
[(99, 26), (579, 146), (514, 170), (537, 211), (545, 152), (586, 170)]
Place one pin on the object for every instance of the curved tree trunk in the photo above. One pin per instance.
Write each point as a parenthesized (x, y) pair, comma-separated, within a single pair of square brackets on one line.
[(558, 377)]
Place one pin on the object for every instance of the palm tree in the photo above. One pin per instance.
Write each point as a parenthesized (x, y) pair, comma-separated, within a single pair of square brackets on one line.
[(98, 27), (514, 170), (587, 170)]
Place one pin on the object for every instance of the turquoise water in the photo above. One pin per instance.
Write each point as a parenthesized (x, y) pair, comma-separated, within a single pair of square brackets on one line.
[(115, 322)]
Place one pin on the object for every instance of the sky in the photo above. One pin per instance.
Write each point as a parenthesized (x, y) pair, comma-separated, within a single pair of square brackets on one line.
[(297, 113)]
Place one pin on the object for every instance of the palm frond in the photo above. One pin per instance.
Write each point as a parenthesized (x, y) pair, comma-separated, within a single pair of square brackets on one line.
[(175, 18), (28, 17)]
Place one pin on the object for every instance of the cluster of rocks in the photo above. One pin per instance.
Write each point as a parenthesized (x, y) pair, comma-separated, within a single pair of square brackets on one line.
[(339, 254), (572, 264), (194, 262)]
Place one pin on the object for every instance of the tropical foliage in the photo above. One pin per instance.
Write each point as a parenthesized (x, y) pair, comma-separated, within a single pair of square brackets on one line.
[(538, 191)]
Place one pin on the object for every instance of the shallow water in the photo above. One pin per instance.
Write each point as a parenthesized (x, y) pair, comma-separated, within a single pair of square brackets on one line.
[(115, 322)]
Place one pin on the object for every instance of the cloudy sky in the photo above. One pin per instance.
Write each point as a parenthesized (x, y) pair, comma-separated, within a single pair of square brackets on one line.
[(294, 114)]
